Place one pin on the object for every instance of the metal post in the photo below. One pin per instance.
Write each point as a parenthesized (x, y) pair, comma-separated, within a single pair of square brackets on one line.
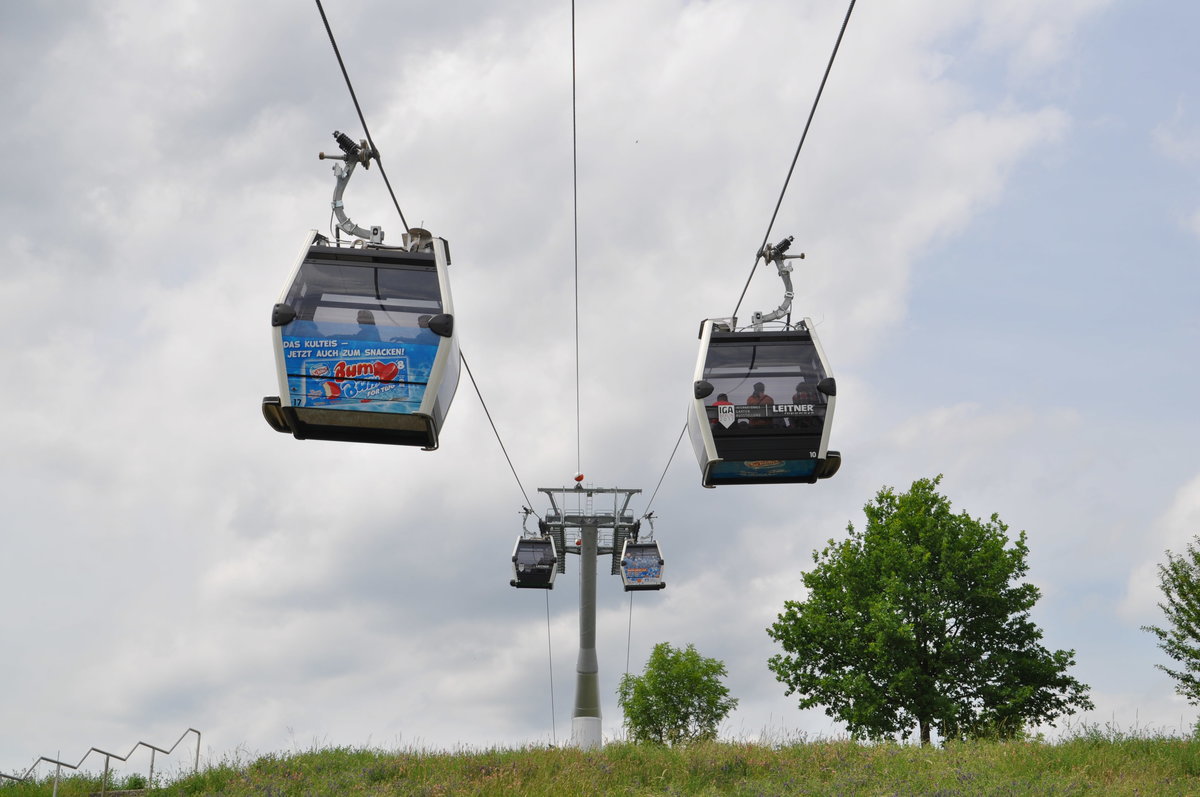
[(585, 723)]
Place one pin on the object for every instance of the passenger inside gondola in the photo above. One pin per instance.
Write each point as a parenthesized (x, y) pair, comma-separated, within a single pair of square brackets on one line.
[(366, 326), (805, 393), (760, 398)]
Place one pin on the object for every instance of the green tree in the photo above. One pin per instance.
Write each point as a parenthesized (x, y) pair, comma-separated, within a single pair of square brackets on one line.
[(678, 699), (1180, 582), (918, 620)]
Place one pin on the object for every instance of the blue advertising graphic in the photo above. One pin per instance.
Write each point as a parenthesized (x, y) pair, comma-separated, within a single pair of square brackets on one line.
[(643, 566), (764, 468), (342, 372)]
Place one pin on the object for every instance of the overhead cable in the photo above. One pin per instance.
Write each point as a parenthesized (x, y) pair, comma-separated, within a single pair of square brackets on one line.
[(575, 214), (361, 118), (670, 459), (550, 655), (463, 357), (804, 135)]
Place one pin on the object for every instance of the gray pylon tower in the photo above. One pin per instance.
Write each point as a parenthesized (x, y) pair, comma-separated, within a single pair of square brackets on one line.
[(590, 521)]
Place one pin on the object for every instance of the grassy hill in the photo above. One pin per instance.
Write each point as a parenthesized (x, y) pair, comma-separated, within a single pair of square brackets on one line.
[(1090, 763)]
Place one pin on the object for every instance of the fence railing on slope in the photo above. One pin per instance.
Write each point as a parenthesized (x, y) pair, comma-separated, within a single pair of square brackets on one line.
[(108, 757)]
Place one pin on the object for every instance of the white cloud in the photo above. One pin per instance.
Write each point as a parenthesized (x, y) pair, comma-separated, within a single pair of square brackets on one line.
[(1178, 139), (1193, 224), (1034, 36), (1173, 531)]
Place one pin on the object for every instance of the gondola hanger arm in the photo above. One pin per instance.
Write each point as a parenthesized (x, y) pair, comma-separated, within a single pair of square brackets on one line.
[(352, 155), (776, 254)]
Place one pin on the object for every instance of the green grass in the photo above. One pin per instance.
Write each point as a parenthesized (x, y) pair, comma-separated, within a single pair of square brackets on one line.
[(1089, 763)]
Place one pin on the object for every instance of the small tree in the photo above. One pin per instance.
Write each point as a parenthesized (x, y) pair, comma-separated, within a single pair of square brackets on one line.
[(918, 620), (1180, 582), (678, 699)]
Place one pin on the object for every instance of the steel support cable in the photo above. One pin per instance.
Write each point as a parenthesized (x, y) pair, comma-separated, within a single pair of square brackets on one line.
[(795, 157), (487, 412), (629, 633), (670, 459), (575, 215), (550, 654), (361, 118), (578, 411)]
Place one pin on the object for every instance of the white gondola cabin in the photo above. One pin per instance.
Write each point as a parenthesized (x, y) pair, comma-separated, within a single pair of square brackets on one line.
[(762, 406), (364, 343)]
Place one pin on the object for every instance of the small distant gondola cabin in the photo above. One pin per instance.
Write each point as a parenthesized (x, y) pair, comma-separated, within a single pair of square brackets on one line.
[(534, 563), (642, 566)]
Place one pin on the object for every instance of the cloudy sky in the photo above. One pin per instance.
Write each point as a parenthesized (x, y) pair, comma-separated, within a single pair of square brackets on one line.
[(1000, 206)]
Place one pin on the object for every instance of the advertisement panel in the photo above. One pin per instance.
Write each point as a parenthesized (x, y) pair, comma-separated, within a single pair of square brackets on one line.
[(764, 469), (348, 373)]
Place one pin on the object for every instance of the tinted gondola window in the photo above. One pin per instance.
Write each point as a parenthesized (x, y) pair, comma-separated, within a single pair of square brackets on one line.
[(331, 296), (764, 387), (532, 556)]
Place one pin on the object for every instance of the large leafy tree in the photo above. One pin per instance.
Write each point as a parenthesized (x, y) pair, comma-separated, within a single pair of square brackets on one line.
[(679, 697), (1180, 582), (920, 620)]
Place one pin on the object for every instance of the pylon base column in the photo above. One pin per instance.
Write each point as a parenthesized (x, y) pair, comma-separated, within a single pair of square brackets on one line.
[(586, 733)]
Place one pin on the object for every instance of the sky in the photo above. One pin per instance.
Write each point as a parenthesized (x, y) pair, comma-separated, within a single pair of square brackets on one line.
[(1000, 208)]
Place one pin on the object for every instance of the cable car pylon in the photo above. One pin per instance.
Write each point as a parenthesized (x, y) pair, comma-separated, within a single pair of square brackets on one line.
[(636, 557)]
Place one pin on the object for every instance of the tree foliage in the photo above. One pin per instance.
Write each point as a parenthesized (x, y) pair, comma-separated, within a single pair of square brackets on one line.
[(679, 697), (1180, 582), (919, 620)]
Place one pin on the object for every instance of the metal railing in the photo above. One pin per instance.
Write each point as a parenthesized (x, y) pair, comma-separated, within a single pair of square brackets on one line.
[(108, 757)]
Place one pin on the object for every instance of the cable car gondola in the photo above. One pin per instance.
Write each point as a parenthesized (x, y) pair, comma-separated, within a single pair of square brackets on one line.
[(364, 335), (534, 563), (763, 399), (641, 565)]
